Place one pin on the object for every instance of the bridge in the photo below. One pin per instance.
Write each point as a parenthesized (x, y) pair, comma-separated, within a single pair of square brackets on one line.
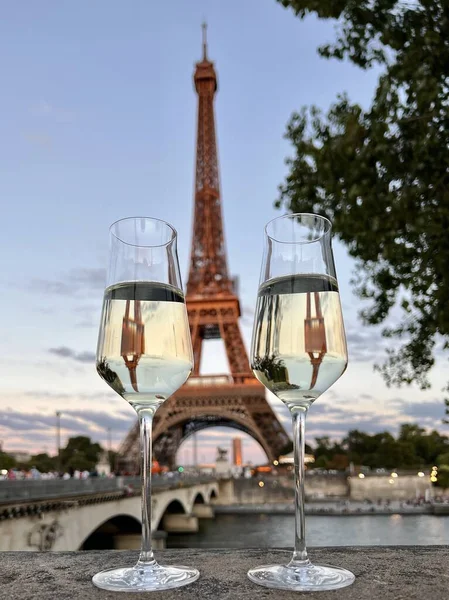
[(98, 513)]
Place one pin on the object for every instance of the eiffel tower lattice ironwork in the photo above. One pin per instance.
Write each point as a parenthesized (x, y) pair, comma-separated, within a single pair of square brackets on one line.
[(237, 400)]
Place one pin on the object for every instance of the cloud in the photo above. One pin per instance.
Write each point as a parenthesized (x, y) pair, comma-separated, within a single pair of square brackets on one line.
[(365, 345), (74, 283), (119, 422), (50, 112), (37, 138), (90, 315), (76, 397), (363, 412), (64, 352), (338, 429), (422, 411), (76, 422)]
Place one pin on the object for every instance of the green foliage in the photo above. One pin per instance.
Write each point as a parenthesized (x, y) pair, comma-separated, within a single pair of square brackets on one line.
[(6, 461), (43, 462), (329, 454), (80, 453), (413, 448), (322, 462), (443, 459), (110, 376), (443, 477), (381, 174)]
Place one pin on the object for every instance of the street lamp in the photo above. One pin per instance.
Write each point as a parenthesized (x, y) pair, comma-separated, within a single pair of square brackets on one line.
[(110, 449), (58, 439)]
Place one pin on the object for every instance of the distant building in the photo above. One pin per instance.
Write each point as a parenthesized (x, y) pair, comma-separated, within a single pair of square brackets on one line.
[(19, 456), (237, 451), (103, 467)]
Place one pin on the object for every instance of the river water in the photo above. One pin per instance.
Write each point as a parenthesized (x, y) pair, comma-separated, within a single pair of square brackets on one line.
[(263, 530)]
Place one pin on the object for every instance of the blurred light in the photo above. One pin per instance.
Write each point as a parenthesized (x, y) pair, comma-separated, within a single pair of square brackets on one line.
[(275, 463), (4, 472), (391, 481), (181, 469), (394, 475), (421, 474), (261, 484), (361, 476), (434, 479)]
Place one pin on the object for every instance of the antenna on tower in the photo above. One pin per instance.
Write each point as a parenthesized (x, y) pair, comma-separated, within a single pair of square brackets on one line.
[(204, 28)]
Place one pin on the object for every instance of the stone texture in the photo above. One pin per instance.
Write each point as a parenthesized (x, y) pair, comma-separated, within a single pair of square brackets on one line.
[(384, 573)]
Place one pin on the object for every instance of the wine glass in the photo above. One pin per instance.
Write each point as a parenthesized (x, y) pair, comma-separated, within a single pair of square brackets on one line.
[(298, 351), (144, 354)]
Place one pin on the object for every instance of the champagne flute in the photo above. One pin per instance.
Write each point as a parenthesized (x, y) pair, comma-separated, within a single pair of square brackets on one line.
[(298, 351), (144, 354)]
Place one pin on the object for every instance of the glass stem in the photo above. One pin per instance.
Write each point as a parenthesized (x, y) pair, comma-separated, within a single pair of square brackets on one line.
[(299, 422), (146, 557)]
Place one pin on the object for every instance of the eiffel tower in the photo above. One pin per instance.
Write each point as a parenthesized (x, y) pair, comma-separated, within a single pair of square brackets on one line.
[(213, 306)]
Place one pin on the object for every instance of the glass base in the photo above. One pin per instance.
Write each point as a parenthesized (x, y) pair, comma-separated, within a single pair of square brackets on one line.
[(145, 578), (306, 578)]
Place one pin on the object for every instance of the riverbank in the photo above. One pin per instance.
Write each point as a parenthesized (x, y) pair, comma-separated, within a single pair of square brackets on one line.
[(343, 509)]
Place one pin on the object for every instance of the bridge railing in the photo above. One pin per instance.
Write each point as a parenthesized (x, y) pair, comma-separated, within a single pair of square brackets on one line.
[(60, 488)]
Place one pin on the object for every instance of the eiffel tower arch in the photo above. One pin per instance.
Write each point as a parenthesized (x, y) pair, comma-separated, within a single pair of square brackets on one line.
[(213, 307)]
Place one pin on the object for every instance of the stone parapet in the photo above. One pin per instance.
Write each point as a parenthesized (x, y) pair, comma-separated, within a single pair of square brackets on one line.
[(382, 573)]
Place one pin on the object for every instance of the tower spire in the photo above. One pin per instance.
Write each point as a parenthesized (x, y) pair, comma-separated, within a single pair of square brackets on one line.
[(204, 28), (213, 308), (208, 273)]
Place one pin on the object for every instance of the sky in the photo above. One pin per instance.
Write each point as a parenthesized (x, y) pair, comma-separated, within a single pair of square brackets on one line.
[(99, 118)]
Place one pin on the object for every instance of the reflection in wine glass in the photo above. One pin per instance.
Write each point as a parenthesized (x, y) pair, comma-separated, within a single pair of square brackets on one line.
[(133, 340), (298, 351), (144, 354)]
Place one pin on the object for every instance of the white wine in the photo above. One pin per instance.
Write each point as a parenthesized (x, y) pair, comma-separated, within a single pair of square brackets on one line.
[(299, 343), (144, 348)]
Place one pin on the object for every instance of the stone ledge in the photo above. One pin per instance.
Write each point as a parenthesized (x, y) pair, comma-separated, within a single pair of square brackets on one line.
[(384, 573)]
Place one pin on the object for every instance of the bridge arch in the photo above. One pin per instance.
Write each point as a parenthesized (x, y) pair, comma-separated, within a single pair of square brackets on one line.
[(102, 537), (80, 522), (168, 442), (172, 507), (212, 495), (199, 499)]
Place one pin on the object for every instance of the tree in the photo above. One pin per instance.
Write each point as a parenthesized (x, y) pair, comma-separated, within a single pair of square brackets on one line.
[(381, 174), (410, 432), (443, 477), (443, 459), (413, 448), (361, 447), (430, 446), (43, 462), (321, 462), (6, 461), (80, 453), (329, 454)]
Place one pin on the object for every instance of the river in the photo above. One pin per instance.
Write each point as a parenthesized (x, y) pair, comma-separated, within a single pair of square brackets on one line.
[(263, 530)]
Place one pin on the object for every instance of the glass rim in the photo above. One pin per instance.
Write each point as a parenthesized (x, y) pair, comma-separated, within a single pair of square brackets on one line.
[(170, 227), (293, 215)]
